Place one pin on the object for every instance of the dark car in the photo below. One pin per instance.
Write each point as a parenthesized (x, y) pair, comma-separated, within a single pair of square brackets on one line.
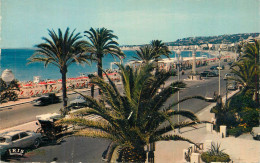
[(212, 74), (46, 99), (204, 73), (213, 68)]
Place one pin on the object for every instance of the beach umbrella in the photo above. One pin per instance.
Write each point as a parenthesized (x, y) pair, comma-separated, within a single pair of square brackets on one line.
[(27, 85), (84, 77), (42, 83), (78, 78), (51, 82)]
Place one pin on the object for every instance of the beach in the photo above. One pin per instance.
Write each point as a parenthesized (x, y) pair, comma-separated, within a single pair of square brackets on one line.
[(49, 78)]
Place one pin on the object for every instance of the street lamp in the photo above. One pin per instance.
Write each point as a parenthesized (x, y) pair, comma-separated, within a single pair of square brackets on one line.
[(178, 52), (219, 72)]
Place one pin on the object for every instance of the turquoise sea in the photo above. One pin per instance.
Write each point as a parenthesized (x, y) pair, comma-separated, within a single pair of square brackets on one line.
[(16, 60)]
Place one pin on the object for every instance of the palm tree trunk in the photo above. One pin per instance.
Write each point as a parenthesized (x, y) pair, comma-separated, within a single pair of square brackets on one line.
[(100, 74), (64, 89), (256, 79)]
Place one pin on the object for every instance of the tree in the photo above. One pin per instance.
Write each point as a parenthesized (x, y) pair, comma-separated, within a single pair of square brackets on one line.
[(252, 54), (244, 72), (159, 50), (61, 51), (7, 91), (102, 42), (145, 54), (134, 118)]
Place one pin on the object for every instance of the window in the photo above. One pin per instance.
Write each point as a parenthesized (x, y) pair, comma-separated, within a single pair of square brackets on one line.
[(23, 134), (15, 137)]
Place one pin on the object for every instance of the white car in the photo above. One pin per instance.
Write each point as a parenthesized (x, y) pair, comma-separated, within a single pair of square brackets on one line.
[(256, 133), (228, 76), (18, 139), (78, 103)]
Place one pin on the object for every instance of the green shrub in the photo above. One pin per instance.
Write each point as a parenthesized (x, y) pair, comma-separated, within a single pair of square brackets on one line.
[(215, 154), (208, 158), (238, 102), (250, 116), (237, 131)]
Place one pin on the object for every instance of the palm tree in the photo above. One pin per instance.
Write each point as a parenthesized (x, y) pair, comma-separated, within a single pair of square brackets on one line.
[(61, 51), (102, 43), (160, 49), (132, 119), (244, 72), (145, 54), (251, 55)]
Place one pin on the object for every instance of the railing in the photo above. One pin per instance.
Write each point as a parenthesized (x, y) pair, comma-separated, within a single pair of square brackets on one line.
[(197, 148)]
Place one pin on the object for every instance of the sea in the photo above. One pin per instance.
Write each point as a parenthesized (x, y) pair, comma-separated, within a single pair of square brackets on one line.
[(17, 61)]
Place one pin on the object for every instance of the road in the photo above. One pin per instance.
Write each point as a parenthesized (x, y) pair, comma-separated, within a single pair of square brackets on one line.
[(24, 113), (73, 150)]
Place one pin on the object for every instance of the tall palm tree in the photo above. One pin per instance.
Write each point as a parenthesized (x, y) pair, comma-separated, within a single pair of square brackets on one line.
[(252, 54), (61, 51), (102, 42), (244, 72), (145, 54), (160, 49), (132, 119)]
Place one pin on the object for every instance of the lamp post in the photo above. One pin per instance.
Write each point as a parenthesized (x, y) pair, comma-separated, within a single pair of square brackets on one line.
[(219, 71), (178, 52), (194, 61)]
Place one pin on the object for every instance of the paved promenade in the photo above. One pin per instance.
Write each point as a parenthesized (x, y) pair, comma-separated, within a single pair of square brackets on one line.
[(241, 150)]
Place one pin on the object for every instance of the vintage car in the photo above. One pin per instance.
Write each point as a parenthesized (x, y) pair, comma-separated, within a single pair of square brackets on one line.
[(256, 133), (228, 76), (46, 99), (18, 139), (232, 85), (204, 73), (78, 103), (212, 74)]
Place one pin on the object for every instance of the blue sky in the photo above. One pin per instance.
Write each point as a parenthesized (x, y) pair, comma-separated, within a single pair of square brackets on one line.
[(25, 22)]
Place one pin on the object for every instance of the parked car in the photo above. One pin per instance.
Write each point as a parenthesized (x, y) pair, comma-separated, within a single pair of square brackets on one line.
[(256, 133), (18, 139), (79, 102), (216, 71), (46, 99), (204, 73), (232, 86), (228, 76), (213, 68), (212, 74)]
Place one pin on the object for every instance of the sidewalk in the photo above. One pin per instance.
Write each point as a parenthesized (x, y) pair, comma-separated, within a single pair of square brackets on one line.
[(240, 150), (8, 104)]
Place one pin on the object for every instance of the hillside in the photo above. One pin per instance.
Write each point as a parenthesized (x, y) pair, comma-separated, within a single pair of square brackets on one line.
[(225, 39)]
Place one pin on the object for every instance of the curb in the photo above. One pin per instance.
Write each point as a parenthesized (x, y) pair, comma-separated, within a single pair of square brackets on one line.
[(7, 106)]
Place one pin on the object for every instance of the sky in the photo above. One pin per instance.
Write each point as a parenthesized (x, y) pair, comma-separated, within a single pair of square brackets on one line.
[(25, 22)]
